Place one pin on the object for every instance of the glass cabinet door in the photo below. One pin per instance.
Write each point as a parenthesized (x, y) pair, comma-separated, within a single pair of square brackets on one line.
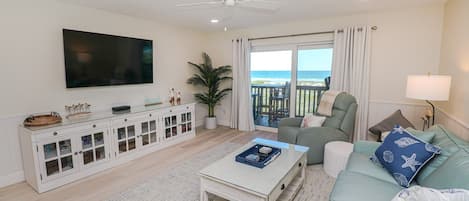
[(148, 134), (93, 148), (58, 157), (126, 140), (186, 122), (170, 126)]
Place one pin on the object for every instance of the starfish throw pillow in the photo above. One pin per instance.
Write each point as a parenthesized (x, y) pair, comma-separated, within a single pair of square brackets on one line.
[(403, 155)]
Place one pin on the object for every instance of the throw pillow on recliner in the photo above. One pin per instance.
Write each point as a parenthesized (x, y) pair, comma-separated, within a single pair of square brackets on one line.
[(311, 120)]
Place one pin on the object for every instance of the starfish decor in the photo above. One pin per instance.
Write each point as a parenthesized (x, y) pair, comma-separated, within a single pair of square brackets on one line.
[(410, 162)]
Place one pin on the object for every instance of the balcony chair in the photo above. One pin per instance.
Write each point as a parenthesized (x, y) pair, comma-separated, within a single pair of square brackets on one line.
[(279, 102), (338, 127)]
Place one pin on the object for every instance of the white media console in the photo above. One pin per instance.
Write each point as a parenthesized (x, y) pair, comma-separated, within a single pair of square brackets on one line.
[(59, 154)]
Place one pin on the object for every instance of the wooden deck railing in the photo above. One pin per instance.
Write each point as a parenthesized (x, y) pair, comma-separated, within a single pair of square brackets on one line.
[(274, 101)]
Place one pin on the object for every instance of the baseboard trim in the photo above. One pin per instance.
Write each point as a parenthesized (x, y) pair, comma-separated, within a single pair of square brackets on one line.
[(224, 123), (199, 123), (13, 178)]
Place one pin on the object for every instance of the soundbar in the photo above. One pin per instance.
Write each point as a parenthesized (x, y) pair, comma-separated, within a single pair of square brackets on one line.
[(121, 109)]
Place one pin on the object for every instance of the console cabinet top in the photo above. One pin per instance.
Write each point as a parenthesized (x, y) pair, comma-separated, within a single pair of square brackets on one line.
[(108, 115)]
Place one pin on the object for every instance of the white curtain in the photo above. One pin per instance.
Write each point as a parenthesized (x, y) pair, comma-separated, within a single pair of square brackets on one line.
[(241, 104), (351, 71)]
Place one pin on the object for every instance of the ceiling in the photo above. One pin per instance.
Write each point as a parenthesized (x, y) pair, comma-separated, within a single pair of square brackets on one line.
[(234, 18)]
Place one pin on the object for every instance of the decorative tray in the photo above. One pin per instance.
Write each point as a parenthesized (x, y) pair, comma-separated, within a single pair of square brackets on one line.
[(42, 119), (264, 159)]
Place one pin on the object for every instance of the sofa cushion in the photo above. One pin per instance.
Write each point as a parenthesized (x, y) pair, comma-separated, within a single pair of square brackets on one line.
[(351, 186), (449, 144), (403, 155), (425, 136), (360, 163), (454, 173), (365, 147)]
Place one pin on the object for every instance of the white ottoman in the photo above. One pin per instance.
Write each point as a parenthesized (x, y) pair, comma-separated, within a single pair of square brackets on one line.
[(335, 157)]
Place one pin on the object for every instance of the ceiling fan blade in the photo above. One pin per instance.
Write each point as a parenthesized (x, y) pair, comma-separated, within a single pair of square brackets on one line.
[(260, 1), (256, 5), (208, 3)]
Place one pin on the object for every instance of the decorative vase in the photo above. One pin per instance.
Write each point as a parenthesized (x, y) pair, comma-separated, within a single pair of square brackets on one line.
[(210, 122)]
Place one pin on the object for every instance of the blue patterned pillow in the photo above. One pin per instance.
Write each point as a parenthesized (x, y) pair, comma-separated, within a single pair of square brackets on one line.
[(403, 155)]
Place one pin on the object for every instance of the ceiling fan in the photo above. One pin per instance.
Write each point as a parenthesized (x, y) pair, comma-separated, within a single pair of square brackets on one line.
[(266, 5)]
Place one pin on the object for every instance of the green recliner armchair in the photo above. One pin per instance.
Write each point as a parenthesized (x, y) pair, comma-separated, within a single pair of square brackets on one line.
[(338, 127)]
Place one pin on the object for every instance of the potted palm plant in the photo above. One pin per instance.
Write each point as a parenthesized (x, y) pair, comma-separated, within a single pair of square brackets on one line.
[(210, 79)]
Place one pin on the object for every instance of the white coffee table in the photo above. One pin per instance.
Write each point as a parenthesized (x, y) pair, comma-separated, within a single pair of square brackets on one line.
[(280, 180)]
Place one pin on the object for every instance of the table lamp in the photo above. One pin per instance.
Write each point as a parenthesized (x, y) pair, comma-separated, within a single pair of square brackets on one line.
[(429, 88)]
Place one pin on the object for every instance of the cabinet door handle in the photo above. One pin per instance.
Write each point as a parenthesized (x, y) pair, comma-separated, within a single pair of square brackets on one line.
[(125, 120), (150, 115), (300, 164), (80, 152), (94, 125), (55, 133), (282, 187), (76, 153)]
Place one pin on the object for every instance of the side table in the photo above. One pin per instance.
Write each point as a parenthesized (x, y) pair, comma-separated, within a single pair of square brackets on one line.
[(336, 156)]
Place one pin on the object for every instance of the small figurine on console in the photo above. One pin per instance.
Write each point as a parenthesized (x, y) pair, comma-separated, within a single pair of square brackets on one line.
[(172, 99), (178, 98), (79, 110)]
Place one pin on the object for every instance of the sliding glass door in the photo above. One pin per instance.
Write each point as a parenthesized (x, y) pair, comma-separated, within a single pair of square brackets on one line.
[(287, 81), (312, 77), (270, 85)]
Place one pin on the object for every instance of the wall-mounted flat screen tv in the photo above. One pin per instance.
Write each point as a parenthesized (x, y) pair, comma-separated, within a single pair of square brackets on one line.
[(93, 59)]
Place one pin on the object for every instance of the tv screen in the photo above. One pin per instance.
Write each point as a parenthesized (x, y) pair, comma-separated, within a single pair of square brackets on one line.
[(93, 59)]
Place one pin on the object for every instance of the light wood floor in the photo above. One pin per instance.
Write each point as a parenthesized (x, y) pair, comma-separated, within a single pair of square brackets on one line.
[(105, 184)]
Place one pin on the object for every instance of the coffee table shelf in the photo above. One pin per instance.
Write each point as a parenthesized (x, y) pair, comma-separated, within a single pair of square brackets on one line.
[(280, 180), (292, 189)]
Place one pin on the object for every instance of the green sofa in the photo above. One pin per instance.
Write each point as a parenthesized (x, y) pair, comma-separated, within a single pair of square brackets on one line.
[(362, 180), (338, 127)]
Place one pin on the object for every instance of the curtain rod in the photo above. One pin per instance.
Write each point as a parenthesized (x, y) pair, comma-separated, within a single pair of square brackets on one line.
[(303, 34)]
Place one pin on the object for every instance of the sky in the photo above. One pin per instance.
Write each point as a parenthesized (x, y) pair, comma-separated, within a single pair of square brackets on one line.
[(312, 60)]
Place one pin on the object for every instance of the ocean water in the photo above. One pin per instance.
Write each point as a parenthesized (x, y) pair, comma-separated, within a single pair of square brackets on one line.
[(286, 75)]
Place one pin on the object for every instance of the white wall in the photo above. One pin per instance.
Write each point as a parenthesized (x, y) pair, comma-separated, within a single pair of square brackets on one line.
[(32, 65), (455, 62), (406, 42), (32, 71)]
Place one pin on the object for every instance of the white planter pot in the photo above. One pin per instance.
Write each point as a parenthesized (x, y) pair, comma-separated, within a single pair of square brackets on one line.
[(210, 122)]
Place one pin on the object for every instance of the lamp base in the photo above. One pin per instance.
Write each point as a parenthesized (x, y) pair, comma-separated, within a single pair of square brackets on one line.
[(433, 111)]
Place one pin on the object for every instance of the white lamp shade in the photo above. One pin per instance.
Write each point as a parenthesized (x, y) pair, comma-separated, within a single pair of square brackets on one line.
[(428, 87)]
